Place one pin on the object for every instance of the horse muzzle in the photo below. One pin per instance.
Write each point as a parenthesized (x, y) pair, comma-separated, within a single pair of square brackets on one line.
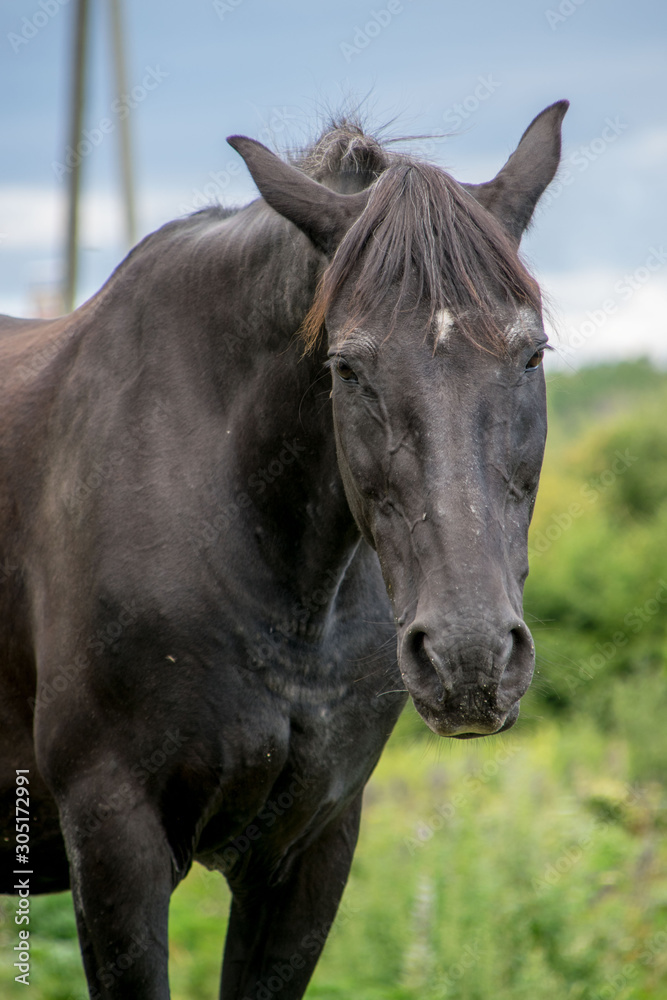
[(466, 680)]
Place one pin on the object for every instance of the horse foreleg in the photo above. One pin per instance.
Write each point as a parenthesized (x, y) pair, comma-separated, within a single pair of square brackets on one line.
[(122, 877), (276, 934)]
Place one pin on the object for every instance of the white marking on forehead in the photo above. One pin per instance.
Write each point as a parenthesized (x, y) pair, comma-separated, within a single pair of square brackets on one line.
[(524, 327), (525, 324), (444, 322)]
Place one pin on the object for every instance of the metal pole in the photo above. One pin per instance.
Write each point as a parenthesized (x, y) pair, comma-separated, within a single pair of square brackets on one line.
[(125, 141), (76, 125)]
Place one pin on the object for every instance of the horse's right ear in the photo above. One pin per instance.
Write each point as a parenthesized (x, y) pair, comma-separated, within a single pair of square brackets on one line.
[(513, 193), (323, 215)]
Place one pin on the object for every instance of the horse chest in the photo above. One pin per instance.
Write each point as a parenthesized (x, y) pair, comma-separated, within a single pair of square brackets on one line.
[(326, 759), (327, 730)]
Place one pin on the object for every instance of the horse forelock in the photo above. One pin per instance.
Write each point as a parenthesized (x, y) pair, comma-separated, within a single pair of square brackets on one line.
[(421, 238), (344, 147)]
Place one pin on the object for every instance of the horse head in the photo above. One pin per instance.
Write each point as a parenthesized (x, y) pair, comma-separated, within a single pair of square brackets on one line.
[(435, 343)]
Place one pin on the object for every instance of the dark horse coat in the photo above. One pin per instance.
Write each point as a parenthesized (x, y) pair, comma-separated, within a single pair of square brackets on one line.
[(224, 561)]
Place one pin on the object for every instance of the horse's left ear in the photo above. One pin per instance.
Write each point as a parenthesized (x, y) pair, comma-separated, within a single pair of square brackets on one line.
[(323, 215), (513, 194)]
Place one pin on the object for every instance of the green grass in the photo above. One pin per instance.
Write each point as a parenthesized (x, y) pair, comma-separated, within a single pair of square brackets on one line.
[(522, 867)]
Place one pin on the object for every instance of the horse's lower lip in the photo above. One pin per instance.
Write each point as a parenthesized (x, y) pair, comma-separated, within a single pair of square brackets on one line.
[(441, 727), (512, 716)]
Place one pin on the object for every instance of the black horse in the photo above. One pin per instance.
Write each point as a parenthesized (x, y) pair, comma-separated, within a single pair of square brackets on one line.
[(277, 439)]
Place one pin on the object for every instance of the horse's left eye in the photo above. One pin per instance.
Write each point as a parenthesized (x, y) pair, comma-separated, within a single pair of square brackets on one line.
[(535, 361), (345, 372)]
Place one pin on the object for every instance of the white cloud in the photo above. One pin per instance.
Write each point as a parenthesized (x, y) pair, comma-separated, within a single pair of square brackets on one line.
[(33, 225), (602, 316), (33, 218), (30, 217), (647, 150)]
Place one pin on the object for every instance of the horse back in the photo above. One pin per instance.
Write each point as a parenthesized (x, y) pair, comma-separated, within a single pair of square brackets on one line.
[(29, 349)]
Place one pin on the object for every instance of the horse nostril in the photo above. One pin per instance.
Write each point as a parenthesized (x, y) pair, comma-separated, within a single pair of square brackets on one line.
[(418, 644), (519, 664), (522, 642), (423, 668)]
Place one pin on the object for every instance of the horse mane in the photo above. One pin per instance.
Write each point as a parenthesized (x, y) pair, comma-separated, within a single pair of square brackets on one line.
[(421, 234)]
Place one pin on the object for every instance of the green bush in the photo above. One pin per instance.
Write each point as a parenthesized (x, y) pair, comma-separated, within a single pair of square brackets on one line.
[(597, 595)]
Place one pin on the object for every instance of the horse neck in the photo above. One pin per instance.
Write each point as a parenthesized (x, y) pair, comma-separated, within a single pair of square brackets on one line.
[(279, 414), (204, 316)]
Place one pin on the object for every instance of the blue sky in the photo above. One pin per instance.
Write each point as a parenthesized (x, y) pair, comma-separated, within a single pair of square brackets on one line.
[(201, 70)]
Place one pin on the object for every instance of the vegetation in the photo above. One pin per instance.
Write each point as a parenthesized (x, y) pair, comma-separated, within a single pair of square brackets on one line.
[(597, 595), (527, 866)]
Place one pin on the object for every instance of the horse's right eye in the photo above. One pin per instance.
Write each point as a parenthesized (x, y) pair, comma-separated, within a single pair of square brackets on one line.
[(345, 372), (535, 361)]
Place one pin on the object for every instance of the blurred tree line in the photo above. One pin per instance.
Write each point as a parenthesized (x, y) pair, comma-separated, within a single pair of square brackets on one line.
[(596, 597)]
